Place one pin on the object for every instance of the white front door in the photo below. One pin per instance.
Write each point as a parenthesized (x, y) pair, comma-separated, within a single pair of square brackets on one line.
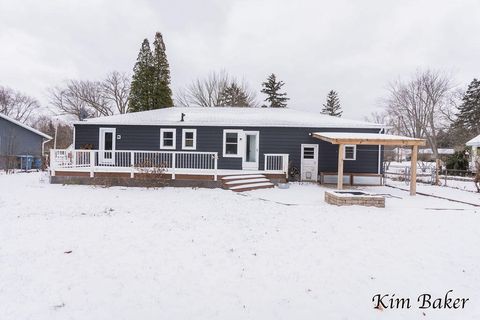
[(250, 150), (106, 146), (309, 170)]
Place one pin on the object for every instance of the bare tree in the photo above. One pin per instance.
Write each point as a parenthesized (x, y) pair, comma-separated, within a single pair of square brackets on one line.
[(86, 99), (68, 101), (91, 92), (16, 104), (210, 91), (116, 90), (418, 107)]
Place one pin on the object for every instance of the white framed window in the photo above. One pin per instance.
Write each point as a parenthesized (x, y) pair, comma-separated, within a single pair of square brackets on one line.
[(350, 152), (231, 143), (189, 139), (168, 138)]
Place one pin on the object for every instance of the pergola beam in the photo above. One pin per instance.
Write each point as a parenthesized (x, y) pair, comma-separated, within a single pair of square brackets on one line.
[(384, 142)]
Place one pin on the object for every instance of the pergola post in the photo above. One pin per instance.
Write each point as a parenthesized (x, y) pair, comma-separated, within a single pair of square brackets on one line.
[(340, 167), (413, 171)]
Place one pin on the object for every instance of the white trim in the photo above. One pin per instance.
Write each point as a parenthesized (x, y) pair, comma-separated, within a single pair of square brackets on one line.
[(304, 166), (239, 151), (194, 131), (354, 146), (74, 134), (250, 165), (18, 123), (101, 145), (174, 136), (380, 155)]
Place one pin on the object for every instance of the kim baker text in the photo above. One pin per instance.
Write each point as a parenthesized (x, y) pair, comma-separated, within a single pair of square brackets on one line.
[(424, 301)]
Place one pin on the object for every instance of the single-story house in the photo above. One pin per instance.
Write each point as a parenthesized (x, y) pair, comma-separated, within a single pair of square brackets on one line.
[(19, 140), (223, 141), (474, 156)]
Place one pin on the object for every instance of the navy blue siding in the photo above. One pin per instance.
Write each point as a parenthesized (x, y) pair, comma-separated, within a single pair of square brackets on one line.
[(210, 139)]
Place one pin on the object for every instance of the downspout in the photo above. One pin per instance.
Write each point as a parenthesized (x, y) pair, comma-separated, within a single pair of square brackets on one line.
[(43, 146), (43, 153)]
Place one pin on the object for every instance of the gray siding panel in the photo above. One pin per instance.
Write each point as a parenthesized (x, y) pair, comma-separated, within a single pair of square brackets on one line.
[(16, 140), (210, 139)]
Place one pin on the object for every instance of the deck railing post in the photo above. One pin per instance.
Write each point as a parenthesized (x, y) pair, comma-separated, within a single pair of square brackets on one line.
[(92, 163), (285, 165), (132, 163), (215, 166), (265, 164), (173, 165), (74, 158)]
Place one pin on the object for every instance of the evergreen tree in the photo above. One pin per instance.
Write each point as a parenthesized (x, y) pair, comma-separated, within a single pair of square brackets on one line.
[(141, 91), (332, 106), (234, 96), (469, 110), (162, 94), (271, 88)]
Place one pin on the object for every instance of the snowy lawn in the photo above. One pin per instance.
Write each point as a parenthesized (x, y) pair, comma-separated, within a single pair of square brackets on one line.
[(81, 252)]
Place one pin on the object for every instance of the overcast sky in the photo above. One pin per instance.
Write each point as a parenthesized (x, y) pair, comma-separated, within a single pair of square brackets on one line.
[(354, 47)]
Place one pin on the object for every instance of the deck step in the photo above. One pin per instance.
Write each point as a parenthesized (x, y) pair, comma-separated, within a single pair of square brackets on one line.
[(251, 186), (246, 176), (245, 181)]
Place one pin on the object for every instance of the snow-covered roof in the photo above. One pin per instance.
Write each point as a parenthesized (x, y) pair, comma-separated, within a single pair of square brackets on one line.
[(366, 138), (361, 135), (23, 125), (475, 142), (231, 117)]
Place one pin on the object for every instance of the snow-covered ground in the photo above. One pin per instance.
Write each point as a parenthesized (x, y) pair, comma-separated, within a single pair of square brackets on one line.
[(82, 252)]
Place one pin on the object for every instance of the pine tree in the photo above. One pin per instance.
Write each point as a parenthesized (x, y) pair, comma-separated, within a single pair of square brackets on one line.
[(141, 91), (271, 88), (469, 110), (332, 106), (162, 94), (233, 96)]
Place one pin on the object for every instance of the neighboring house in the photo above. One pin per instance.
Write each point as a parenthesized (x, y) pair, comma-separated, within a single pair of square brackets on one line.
[(18, 139), (475, 154), (222, 141)]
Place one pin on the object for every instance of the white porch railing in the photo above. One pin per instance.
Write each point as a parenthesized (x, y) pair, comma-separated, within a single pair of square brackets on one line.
[(131, 161), (136, 161), (276, 162)]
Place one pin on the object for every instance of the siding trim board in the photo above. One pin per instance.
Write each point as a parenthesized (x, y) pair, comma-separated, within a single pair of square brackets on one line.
[(271, 140)]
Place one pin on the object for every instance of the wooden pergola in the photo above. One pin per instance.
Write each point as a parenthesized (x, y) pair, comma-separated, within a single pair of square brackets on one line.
[(345, 138)]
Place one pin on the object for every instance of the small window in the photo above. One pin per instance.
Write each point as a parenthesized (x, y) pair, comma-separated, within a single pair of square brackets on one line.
[(230, 143), (308, 153), (189, 139), (350, 152), (167, 138)]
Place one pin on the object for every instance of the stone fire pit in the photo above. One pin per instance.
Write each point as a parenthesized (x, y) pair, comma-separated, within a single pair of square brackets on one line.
[(354, 198)]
